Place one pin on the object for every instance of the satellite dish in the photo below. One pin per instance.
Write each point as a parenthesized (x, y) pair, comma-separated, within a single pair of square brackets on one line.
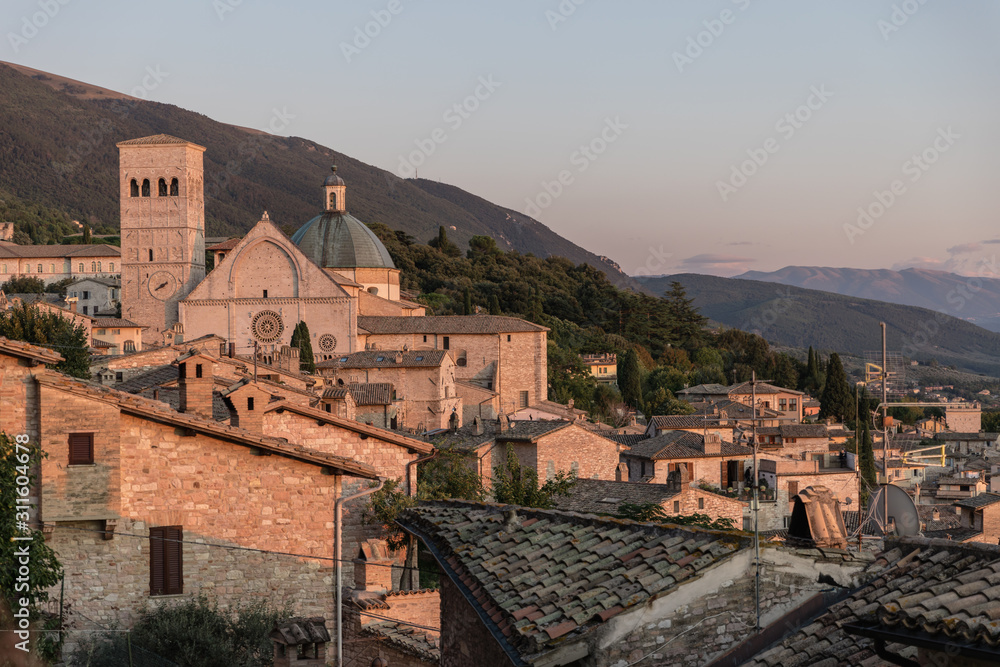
[(902, 511)]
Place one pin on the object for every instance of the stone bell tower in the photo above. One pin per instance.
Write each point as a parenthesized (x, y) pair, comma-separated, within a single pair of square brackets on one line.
[(161, 181)]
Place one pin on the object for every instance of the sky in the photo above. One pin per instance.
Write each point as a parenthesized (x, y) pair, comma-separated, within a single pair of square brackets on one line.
[(672, 136)]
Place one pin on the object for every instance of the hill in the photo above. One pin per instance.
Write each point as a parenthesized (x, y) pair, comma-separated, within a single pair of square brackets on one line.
[(799, 317), (976, 300), (57, 148)]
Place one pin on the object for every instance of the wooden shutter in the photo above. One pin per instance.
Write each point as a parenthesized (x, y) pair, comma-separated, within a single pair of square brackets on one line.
[(793, 489), (166, 562), (157, 578), (81, 448)]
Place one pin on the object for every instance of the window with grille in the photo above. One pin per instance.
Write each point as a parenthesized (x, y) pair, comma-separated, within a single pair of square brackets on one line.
[(166, 562), (81, 449), (524, 399)]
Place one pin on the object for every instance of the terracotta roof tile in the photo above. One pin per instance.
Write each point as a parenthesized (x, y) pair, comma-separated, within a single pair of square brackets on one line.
[(445, 324)]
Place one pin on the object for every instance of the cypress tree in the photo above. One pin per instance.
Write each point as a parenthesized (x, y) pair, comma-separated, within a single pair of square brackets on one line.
[(836, 400), (630, 379), (301, 340), (86, 234), (494, 305), (866, 460), (467, 302)]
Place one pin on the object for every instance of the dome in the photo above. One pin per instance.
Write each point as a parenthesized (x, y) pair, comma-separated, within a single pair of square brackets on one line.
[(338, 240), (333, 179)]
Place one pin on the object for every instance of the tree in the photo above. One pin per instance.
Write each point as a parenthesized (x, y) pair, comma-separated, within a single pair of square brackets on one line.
[(514, 484), (687, 324), (442, 243), (494, 305), (811, 381), (654, 513), (87, 236), (467, 302), (630, 379), (384, 507), (866, 460), (837, 400), (26, 323), (535, 312), (449, 475), (302, 340), (23, 285)]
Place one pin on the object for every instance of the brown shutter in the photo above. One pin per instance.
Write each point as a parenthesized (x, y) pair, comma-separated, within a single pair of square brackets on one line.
[(81, 448), (174, 560), (724, 476), (157, 583), (793, 489)]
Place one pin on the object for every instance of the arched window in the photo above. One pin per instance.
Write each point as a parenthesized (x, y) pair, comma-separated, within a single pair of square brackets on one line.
[(145, 187), (5, 268), (373, 290), (129, 346), (40, 269), (134, 189), (27, 269), (111, 267), (151, 254), (98, 267), (52, 268), (174, 187), (81, 267), (93, 267), (333, 200), (162, 192)]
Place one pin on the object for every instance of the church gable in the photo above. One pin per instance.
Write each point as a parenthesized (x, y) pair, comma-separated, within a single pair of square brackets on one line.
[(265, 263)]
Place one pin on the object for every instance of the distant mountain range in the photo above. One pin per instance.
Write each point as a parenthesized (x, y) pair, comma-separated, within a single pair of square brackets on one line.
[(57, 148), (798, 317), (976, 300)]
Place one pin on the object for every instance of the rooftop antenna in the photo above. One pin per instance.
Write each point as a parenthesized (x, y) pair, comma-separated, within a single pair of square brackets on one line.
[(756, 499)]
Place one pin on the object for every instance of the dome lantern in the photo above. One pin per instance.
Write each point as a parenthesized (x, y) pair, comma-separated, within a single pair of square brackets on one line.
[(334, 192)]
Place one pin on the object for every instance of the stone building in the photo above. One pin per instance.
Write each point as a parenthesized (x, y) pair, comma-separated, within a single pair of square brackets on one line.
[(787, 402), (690, 457), (95, 296), (52, 263), (122, 335), (142, 502)]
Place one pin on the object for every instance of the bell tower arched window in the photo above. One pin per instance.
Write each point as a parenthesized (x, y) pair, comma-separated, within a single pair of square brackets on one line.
[(162, 189), (174, 188), (145, 187), (333, 201), (151, 254), (134, 188)]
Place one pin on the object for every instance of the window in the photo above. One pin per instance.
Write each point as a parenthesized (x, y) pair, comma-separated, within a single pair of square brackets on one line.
[(162, 190), (197, 370), (794, 404), (782, 404), (117, 332), (86, 294), (333, 201), (129, 346), (145, 187), (81, 267), (5, 268), (166, 561), (373, 290), (134, 189), (27, 269), (119, 377), (793, 489), (524, 399), (174, 187), (98, 267), (420, 358), (425, 337), (550, 470), (52, 268), (101, 332), (151, 254), (447, 343), (81, 449), (250, 403), (40, 270), (701, 503), (265, 294), (93, 267), (85, 310), (677, 507), (508, 338), (111, 267)]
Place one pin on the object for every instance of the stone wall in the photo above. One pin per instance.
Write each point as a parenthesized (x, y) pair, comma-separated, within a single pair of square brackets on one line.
[(574, 447), (360, 649), (465, 641)]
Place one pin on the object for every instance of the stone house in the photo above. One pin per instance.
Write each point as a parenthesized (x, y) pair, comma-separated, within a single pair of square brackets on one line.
[(959, 488), (788, 402), (690, 457), (981, 516), (423, 381), (724, 418), (95, 296), (547, 587), (52, 263), (604, 367), (504, 354), (964, 417), (124, 336), (795, 441), (143, 503)]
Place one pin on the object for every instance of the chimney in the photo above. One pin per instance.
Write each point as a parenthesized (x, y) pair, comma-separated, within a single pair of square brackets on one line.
[(300, 636), (72, 303), (502, 423), (935, 515), (685, 474), (232, 350), (477, 426), (713, 443), (399, 357), (248, 402), (373, 567), (621, 472), (195, 383)]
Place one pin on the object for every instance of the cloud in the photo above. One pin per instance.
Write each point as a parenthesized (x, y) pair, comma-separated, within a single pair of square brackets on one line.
[(717, 264), (964, 248), (991, 241), (754, 243)]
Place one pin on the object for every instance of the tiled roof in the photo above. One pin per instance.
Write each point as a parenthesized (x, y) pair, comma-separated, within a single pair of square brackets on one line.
[(386, 359), (101, 344), (541, 578), (762, 388), (958, 534), (155, 411), (156, 139), (960, 481), (28, 351), (296, 631), (682, 445), (46, 251), (598, 496), (416, 641), (336, 392), (530, 431), (706, 390), (627, 439), (982, 500), (949, 436), (445, 324), (665, 422), (934, 590), (351, 425), (804, 431), (115, 323), (107, 282), (371, 393), (225, 245)]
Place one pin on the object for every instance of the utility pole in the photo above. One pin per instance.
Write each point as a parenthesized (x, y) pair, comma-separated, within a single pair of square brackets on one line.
[(885, 436), (756, 498)]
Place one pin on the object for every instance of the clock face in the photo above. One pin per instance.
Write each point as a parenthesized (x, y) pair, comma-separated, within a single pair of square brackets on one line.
[(162, 285)]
